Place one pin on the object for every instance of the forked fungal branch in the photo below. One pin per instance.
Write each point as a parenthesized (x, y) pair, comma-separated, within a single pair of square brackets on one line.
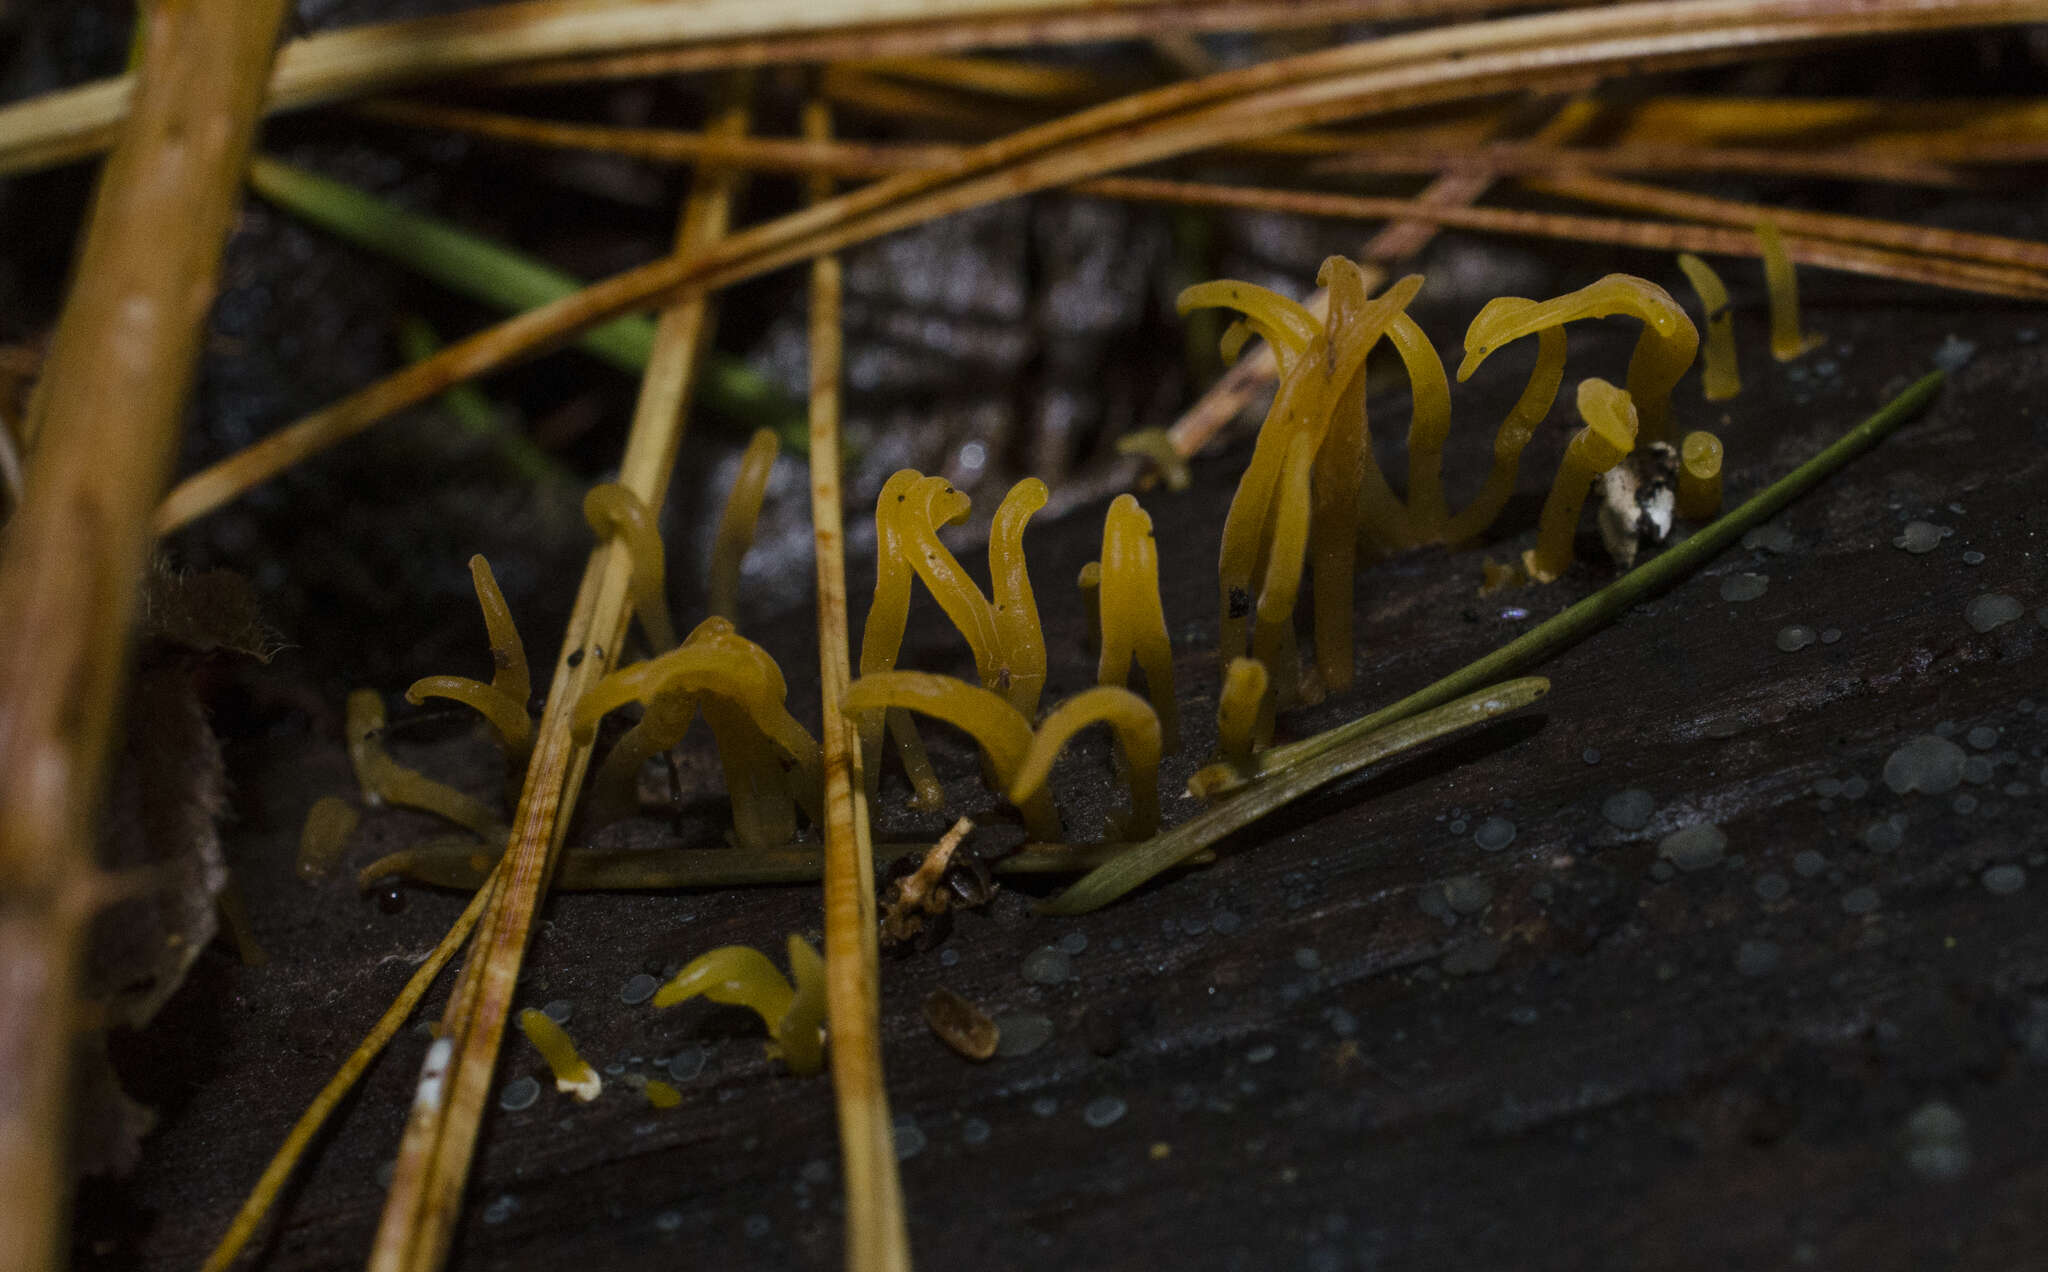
[(503, 701), (740, 976)]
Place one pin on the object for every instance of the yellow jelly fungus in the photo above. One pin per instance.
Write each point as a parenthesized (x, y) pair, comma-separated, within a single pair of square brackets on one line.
[(615, 791), (739, 976), (1285, 324), (736, 525), (933, 502), (1238, 709), (1156, 444), (1138, 740), (1663, 352), (503, 701), (1699, 476), (1720, 378), (1021, 644), (615, 512), (1428, 428), (1273, 639), (741, 692), (329, 823), (1131, 617), (573, 1074), (662, 1095), (882, 640), (1530, 410), (1609, 435), (1781, 284), (1001, 730), (1090, 583), (385, 780)]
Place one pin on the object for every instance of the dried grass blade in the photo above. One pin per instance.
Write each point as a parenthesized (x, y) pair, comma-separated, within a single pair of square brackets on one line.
[(434, 1158), (877, 1233), (105, 421)]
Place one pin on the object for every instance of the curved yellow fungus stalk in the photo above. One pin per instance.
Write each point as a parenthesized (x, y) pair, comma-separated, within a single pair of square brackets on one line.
[(1238, 709), (1303, 405), (615, 791), (1720, 378), (1781, 284), (741, 692), (933, 502), (329, 823), (385, 780), (1090, 583), (1020, 641), (739, 976), (1609, 435), (1156, 444), (882, 640), (615, 512), (736, 524), (1283, 323), (1530, 410), (1699, 476), (1429, 426), (1131, 618), (573, 1074), (1273, 638), (1138, 740), (1663, 352), (503, 701), (1002, 731)]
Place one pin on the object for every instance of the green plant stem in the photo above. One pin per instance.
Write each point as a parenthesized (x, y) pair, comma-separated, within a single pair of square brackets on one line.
[(500, 276), (1144, 862), (1602, 607)]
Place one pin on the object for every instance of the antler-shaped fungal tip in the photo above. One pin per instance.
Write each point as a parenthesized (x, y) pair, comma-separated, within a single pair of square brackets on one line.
[(740, 976), (503, 701)]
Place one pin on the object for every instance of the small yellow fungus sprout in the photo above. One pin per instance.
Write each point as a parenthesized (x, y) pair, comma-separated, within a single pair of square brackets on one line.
[(662, 1095), (1720, 378), (329, 823), (1609, 435), (615, 512), (573, 1074), (1699, 476), (503, 701), (1238, 711), (1662, 355), (1018, 635), (1002, 731), (1781, 285), (1156, 445), (1128, 612), (386, 781), (742, 694), (1138, 741), (742, 977), (882, 640), (736, 525)]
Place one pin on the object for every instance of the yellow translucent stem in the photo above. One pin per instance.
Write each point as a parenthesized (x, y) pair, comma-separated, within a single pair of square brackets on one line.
[(755, 780), (503, 701), (662, 1095), (1699, 476), (1003, 733), (1018, 637), (1609, 435), (615, 512), (1272, 641), (933, 502), (615, 791), (1304, 403), (801, 1032), (736, 975), (573, 1074), (1285, 324), (926, 792), (1131, 616), (736, 524), (1781, 283), (1138, 740), (1663, 352), (1429, 426), (1237, 711), (385, 779), (329, 823), (1156, 444), (881, 639), (1090, 583), (1720, 378), (1513, 436)]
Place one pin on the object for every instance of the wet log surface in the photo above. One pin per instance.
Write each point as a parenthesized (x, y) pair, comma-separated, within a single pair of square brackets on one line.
[(1371, 1034)]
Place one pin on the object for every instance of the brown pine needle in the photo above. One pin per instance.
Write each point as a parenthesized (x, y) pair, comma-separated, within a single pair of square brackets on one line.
[(440, 1138), (877, 1234), (1376, 76), (1519, 159)]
